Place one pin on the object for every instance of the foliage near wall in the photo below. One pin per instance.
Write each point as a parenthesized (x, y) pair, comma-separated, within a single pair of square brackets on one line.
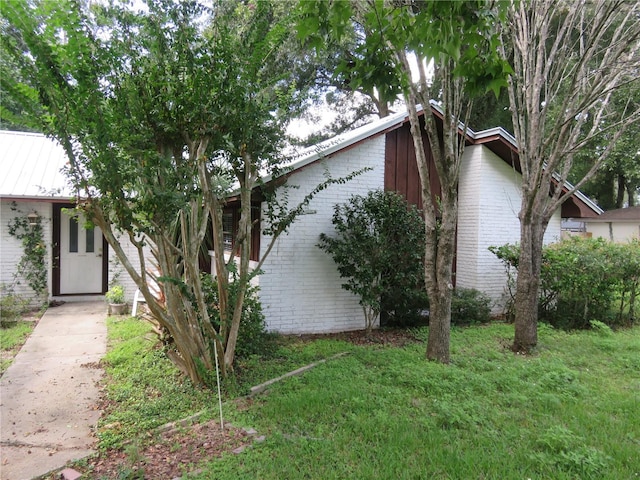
[(32, 266), (583, 280), (379, 249)]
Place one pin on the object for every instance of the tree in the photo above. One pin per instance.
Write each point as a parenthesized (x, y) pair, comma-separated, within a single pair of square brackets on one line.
[(568, 59), (618, 181), (460, 39), (161, 113), (375, 251), (351, 101)]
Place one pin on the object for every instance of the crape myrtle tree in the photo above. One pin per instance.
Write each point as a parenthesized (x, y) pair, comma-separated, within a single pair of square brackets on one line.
[(569, 58), (461, 40), (162, 112)]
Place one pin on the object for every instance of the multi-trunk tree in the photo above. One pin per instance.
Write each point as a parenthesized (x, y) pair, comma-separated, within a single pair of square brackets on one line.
[(459, 40), (162, 113), (569, 58)]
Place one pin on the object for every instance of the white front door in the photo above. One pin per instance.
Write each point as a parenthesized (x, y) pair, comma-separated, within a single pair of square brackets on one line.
[(80, 256)]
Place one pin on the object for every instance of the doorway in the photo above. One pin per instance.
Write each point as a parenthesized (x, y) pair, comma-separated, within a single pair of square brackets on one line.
[(80, 254)]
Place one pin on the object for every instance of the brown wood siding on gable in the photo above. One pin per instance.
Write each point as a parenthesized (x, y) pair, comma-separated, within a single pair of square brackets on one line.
[(401, 171)]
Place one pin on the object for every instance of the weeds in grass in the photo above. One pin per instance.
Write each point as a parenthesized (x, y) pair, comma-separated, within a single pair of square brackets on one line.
[(569, 411), (145, 389), (12, 337), (560, 449), (387, 413)]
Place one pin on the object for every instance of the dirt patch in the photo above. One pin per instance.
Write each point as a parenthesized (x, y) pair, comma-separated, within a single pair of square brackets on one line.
[(168, 454)]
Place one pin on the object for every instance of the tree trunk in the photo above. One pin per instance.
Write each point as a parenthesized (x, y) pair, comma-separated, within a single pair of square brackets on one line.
[(622, 187), (439, 324), (528, 283), (440, 287), (631, 193), (247, 180)]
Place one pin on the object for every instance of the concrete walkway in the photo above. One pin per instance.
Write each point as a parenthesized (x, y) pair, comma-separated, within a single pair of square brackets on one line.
[(48, 395)]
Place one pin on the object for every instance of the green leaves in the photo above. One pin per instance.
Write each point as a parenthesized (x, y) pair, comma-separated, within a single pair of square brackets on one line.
[(161, 111), (378, 249), (584, 279)]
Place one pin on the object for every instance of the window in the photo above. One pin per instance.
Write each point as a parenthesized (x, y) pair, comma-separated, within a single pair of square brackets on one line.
[(90, 240), (73, 235)]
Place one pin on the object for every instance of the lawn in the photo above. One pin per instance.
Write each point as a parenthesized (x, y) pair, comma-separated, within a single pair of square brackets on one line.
[(570, 411), (12, 337)]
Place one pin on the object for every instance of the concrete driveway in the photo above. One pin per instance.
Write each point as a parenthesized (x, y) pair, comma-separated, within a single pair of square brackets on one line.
[(48, 395)]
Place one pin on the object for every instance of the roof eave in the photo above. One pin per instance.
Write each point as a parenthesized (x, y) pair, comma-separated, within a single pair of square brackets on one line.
[(34, 198)]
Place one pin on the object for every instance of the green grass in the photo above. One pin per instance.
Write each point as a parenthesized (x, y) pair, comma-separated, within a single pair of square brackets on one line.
[(571, 411), (12, 337), (144, 389)]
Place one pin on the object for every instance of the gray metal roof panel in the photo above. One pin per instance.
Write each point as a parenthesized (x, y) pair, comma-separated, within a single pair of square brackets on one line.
[(31, 166)]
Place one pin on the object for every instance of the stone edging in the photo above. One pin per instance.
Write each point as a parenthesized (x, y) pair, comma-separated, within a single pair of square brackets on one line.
[(263, 386)]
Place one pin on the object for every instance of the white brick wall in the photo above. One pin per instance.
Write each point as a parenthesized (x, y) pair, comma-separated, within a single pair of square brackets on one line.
[(489, 202), (11, 248), (11, 251), (115, 267), (300, 286)]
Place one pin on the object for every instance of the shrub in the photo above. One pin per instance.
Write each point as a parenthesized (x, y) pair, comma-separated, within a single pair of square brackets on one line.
[(253, 338), (12, 306), (470, 306), (508, 254), (582, 280), (378, 248)]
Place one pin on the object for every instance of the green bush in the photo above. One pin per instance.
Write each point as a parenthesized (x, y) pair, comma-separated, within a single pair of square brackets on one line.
[(583, 280), (378, 248), (253, 339), (469, 307)]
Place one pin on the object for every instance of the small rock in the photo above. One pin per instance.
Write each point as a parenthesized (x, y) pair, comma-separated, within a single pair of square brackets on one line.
[(240, 449), (260, 439), (250, 431), (70, 474)]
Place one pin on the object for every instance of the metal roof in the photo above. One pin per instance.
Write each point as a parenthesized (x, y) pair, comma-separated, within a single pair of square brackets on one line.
[(30, 167)]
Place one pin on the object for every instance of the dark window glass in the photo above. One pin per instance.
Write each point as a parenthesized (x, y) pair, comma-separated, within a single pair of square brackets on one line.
[(90, 240), (73, 235)]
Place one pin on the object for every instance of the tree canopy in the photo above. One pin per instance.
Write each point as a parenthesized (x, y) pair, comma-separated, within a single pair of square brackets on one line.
[(161, 111)]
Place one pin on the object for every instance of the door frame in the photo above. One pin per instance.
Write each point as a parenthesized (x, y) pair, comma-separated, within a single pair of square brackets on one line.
[(57, 219)]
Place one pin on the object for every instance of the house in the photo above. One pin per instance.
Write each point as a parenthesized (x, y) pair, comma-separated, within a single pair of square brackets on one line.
[(620, 226), (300, 285), (78, 261)]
